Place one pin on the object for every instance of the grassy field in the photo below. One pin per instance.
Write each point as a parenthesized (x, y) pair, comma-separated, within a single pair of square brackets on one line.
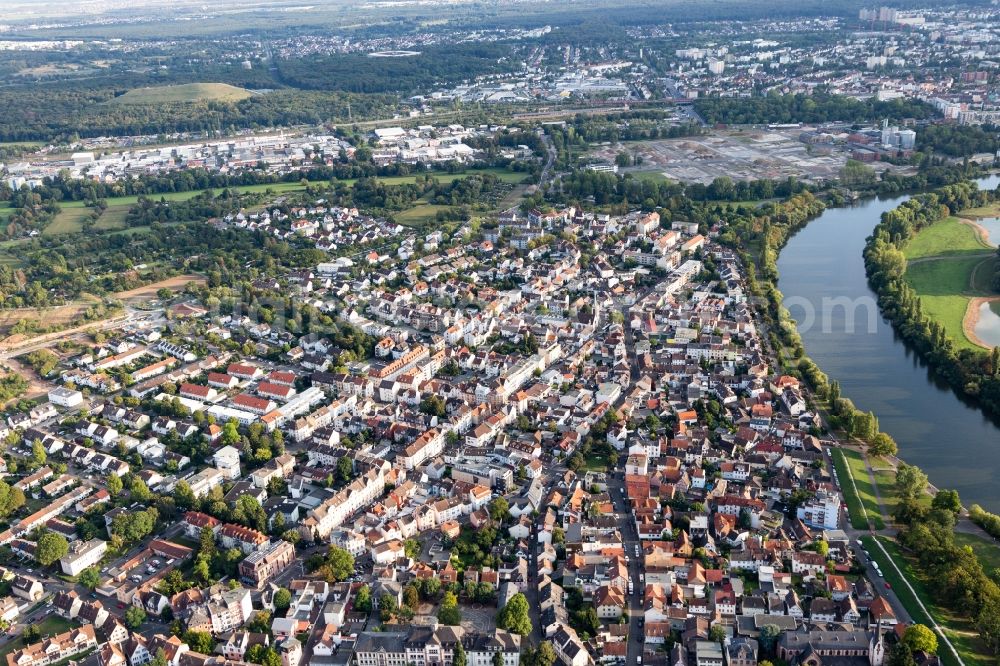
[(113, 218), (960, 632), (6, 210), (188, 92), (850, 465), (950, 236), (986, 550), (420, 215), (68, 221), (943, 270), (943, 287), (992, 210)]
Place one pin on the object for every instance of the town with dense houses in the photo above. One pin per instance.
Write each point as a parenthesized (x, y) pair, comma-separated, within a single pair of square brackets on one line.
[(594, 455)]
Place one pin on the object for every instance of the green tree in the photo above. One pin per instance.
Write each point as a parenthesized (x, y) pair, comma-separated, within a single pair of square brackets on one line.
[(900, 655), (38, 455), (411, 597), (514, 616), (363, 599), (458, 657), (882, 445), (184, 497), (249, 512), (51, 547), (586, 620), (114, 485), (911, 482), (545, 655), (947, 500), (345, 469), (387, 607), (448, 612), (282, 600), (90, 578), (200, 641), (338, 565), (134, 617), (498, 659), (160, 659), (918, 637), (769, 634), (139, 490), (261, 622), (717, 633), (499, 509), (11, 499), (231, 433), (433, 405)]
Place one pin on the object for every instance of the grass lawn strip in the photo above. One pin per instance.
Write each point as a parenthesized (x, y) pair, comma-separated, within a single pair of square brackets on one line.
[(855, 510), (864, 488)]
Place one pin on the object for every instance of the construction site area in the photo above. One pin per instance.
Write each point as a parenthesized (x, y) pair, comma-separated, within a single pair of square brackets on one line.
[(741, 155)]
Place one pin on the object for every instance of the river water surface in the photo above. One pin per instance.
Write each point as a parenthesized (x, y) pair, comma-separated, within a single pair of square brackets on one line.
[(952, 441)]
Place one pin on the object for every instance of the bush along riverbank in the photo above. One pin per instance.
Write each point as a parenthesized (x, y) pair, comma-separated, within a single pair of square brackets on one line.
[(971, 373)]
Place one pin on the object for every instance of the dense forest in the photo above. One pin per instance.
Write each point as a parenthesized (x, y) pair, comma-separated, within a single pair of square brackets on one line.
[(62, 112), (602, 188), (632, 126), (959, 140), (819, 107), (434, 67), (972, 373)]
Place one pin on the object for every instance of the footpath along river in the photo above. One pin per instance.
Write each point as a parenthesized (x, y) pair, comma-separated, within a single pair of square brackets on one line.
[(821, 265)]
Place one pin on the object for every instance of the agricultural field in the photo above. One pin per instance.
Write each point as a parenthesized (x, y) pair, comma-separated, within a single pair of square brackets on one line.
[(188, 92)]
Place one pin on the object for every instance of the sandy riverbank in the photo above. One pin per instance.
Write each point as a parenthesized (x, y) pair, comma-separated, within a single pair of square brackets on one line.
[(971, 319), (981, 231)]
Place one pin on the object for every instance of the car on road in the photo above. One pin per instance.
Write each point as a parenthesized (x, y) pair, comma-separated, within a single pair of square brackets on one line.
[(887, 586), (860, 543)]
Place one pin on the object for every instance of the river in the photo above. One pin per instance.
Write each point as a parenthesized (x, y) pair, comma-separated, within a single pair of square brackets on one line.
[(952, 441)]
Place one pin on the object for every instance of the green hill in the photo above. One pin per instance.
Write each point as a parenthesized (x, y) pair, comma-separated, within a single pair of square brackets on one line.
[(188, 92)]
